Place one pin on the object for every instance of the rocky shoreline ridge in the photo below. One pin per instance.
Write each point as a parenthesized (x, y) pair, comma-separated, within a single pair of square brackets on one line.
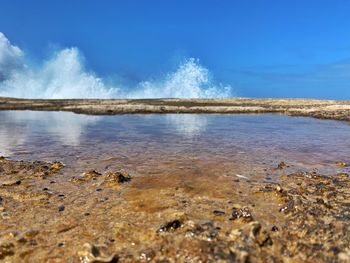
[(324, 109)]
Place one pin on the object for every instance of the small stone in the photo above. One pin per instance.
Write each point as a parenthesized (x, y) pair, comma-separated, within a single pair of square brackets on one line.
[(61, 208), (118, 177), (147, 255), (341, 164), (218, 212), (92, 174), (282, 165), (274, 228), (56, 166), (31, 234), (243, 213), (6, 249), (4, 215), (287, 207), (170, 226)]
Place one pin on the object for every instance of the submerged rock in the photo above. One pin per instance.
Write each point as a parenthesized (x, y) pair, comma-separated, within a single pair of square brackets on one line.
[(341, 164), (282, 165)]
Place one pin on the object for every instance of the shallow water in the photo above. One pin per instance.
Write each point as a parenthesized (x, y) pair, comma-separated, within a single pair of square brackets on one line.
[(170, 144), (182, 167)]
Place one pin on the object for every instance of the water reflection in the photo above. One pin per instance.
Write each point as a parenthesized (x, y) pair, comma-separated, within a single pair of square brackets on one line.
[(19, 129), (9, 138), (188, 125), (179, 139), (23, 127)]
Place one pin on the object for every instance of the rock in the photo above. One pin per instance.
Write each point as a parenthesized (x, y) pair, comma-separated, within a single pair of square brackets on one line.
[(341, 164), (218, 212), (259, 234), (31, 234), (4, 215), (287, 207), (170, 226), (91, 175), (6, 249), (147, 255), (96, 254), (56, 166), (119, 177), (243, 213), (274, 228), (282, 165)]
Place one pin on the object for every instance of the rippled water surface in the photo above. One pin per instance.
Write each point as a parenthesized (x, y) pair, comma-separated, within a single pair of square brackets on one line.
[(171, 144)]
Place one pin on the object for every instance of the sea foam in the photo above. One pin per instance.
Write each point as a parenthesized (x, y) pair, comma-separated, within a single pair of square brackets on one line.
[(64, 75)]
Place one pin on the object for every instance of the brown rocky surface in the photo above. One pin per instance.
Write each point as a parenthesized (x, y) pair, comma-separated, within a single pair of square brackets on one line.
[(111, 216), (327, 109)]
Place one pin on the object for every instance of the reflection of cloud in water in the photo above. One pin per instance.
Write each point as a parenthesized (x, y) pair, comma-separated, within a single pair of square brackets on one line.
[(9, 138), (18, 127), (189, 125)]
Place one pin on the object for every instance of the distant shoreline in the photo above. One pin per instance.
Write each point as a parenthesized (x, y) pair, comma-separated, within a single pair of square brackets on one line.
[(323, 109)]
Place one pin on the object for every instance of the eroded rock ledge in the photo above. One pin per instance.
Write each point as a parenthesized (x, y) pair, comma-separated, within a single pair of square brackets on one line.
[(326, 109)]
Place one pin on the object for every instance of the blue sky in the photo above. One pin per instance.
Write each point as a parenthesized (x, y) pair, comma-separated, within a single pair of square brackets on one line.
[(269, 48)]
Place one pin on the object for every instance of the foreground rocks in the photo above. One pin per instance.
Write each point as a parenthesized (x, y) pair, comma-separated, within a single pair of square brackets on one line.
[(111, 216), (325, 109)]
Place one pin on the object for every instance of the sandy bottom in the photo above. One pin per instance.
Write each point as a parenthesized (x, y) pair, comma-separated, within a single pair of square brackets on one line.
[(173, 188)]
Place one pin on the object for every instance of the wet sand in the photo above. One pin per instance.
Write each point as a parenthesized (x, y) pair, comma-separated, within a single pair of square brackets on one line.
[(325, 109), (137, 209)]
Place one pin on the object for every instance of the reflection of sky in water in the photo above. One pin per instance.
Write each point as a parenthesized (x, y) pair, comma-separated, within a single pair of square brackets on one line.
[(254, 138)]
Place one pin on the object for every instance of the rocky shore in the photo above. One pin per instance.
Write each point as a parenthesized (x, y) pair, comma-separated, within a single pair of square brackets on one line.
[(48, 213), (326, 109), (110, 216)]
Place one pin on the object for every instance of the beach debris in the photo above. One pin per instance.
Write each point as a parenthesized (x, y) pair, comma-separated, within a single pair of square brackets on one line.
[(241, 176)]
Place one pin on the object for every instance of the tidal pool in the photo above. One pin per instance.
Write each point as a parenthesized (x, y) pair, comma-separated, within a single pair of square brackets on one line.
[(202, 188), (161, 144)]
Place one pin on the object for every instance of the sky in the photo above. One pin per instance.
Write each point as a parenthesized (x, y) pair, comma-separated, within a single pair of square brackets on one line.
[(270, 48)]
